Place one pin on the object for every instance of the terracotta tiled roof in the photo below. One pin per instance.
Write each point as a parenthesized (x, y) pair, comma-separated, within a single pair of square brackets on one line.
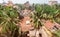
[(24, 26), (57, 25), (50, 25)]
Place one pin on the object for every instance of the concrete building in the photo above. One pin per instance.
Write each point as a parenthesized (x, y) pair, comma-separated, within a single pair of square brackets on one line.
[(27, 4), (10, 3), (52, 2), (52, 26)]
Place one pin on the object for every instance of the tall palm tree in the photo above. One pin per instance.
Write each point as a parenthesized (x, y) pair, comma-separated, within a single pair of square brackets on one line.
[(44, 12), (9, 19), (36, 16)]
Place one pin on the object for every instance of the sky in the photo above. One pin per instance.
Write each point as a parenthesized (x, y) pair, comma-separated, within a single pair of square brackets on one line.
[(31, 1)]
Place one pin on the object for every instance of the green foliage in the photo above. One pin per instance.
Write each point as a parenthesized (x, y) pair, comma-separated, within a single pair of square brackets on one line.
[(57, 33), (36, 16), (8, 19), (46, 12)]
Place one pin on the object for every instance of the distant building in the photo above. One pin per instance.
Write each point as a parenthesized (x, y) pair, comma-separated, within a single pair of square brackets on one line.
[(10, 3), (52, 2), (27, 4)]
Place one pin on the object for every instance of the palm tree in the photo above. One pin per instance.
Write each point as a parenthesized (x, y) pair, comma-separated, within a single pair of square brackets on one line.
[(43, 12), (8, 20), (36, 16)]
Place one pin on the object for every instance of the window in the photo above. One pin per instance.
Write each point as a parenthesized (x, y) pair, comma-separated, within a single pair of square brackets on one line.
[(55, 28)]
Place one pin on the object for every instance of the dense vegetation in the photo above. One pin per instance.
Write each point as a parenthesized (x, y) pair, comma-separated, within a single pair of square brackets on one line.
[(46, 12), (9, 17), (8, 20)]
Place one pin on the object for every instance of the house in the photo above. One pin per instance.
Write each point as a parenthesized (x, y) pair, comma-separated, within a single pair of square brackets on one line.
[(52, 2), (27, 4), (52, 26), (10, 3)]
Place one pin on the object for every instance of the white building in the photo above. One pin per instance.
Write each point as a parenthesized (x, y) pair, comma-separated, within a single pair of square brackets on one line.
[(52, 2)]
